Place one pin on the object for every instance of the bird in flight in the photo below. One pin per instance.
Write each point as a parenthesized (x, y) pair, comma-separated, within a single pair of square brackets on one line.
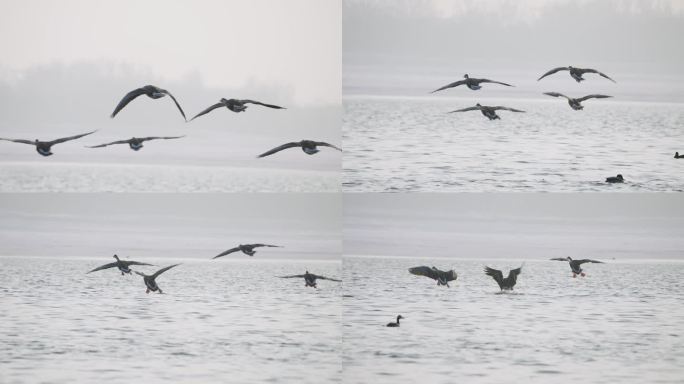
[(575, 264), (576, 73), (235, 105), (309, 278), (471, 83), (44, 147), (150, 280), (123, 265), (247, 249), (442, 277), (487, 111), (576, 103), (150, 91), (505, 283), (308, 146), (136, 143)]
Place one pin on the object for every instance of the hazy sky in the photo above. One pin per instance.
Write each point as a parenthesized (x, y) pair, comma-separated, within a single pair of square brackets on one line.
[(515, 226), (388, 42), (294, 44), (179, 225)]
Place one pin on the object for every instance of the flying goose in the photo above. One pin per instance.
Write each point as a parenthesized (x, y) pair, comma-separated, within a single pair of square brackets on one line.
[(575, 264), (489, 112), (504, 283), (152, 92), (309, 278), (575, 103), (576, 73), (308, 146), (442, 277), (123, 265), (149, 280), (43, 147), (615, 179), (247, 249), (235, 105), (397, 323), (471, 83), (136, 143)]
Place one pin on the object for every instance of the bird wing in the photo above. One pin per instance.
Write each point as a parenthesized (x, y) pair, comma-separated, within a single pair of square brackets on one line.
[(454, 84), (494, 273), (492, 81), (559, 259), (159, 272), (500, 108), (424, 270), (556, 94), (592, 97), (112, 143), (260, 103), (57, 141), (217, 105), (101, 267), (127, 99), (291, 276), (226, 252), (551, 72), (127, 263), (265, 245), (513, 273), (324, 144), (589, 70), (160, 138), (280, 148), (475, 108), (587, 261), (22, 141), (177, 105), (319, 277)]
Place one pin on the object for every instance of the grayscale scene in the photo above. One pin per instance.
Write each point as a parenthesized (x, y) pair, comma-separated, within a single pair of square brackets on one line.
[(270, 70), (612, 314), (611, 105), (246, 315)]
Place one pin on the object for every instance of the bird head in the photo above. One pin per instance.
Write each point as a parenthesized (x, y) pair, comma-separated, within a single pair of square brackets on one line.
[(116, 257), (620, 177), (224, 100), (478, 104), (676, 154), (570, 67), (400, 317), (569, 258), (465, 76)]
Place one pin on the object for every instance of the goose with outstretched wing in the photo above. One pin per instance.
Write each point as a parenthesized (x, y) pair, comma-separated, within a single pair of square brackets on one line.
[(576, 103), (309, 278), (505, 283), (309, 147), (151, 91), (576, 73), (136, 143), (150, 280), (247, 249), (470, 82), (45, 147), (235, 105), (575, 265), (442, 277)]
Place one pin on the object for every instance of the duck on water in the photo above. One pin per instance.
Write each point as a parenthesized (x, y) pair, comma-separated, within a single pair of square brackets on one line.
[(393, 324)]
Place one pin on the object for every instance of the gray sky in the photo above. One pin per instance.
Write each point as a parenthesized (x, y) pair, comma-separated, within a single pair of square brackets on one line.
[(515, 226), (386, 43), (293, 45), (179, 225)]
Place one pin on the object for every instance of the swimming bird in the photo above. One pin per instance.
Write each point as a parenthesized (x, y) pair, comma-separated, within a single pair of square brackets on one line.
[(575, 264), (504, 283), (150, 91), (471, 83), (136, 143), (677, 156), (489, 112), (576, 73), (44, 147), (235, 105), (123, 265), (442, 277), (575, 103), (309, 279), (149, 280), (308, 146), (247, 249), (397, 323), (615, 179)]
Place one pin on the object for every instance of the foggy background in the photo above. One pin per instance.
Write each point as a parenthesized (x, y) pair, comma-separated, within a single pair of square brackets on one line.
[(198, 226), (65, 66), (515, 226), (413, 47)]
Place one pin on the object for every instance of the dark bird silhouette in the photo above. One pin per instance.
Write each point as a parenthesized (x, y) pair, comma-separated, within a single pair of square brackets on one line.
[(504, 283), (308, 146), (397, 323), (247, 249), (136, 143), (487, 111), (235, 105), (677, 156), (615, 179), (44, 147), (309, 278), (150, 91), (149, 280), (471, 83), (575, 264), (576, 73), (442, 277), (576, 103), (123, 265)]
